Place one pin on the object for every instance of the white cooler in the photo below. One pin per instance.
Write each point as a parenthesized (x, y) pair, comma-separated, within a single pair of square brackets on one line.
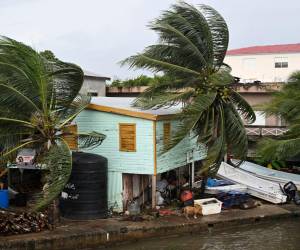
[(209, 206)]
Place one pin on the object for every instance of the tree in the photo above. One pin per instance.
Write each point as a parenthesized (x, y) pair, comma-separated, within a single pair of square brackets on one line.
[(49, 55), (285, 104), (191, 49), (139, 81), (38, 101)]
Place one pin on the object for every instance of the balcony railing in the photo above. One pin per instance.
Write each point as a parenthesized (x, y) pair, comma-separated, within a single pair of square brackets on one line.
[(265, 130)]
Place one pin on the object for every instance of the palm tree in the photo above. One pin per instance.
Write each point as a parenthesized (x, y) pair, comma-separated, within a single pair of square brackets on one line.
[(38, 101), (191, 49), (285, 104)]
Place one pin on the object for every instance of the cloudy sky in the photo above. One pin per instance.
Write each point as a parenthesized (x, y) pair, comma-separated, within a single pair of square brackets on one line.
[(97, 34)]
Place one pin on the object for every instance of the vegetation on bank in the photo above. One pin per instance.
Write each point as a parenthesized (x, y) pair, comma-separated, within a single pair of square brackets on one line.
[(285, 104), (140, 81)]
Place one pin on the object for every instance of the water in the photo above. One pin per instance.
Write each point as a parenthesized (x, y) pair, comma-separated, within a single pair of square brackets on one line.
[(281, 235)]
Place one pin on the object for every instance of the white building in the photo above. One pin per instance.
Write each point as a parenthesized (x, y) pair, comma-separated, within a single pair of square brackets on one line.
[(93, 84), (271, 63)]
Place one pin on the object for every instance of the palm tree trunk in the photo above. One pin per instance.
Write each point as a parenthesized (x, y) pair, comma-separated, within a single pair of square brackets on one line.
[(54, 213)]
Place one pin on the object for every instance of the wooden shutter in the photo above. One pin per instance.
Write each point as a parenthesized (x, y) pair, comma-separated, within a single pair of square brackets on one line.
[(71, 139), (127, 136), (167, 133)]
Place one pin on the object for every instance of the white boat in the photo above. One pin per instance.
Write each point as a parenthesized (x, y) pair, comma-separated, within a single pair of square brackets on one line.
[(256, 186), (270, 174), (227, 188)]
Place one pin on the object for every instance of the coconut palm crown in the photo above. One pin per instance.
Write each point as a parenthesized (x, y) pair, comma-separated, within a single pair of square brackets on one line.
[(38, 101), (192, 45)]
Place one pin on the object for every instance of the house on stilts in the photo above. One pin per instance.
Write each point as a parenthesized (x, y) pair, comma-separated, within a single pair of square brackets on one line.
[(134, 146)]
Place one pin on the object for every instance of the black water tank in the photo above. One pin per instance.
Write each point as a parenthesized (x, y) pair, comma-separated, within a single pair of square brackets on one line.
[(85, 195)]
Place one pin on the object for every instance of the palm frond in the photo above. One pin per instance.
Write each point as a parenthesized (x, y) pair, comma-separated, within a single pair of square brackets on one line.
[(236, 135), (169, 99), (68, 113), (58, 161), (172, 35), (270, 149), (219, 33), (190, 116), (194, 25), (243, 107), (156, 65), (90, 140), (67, 81)]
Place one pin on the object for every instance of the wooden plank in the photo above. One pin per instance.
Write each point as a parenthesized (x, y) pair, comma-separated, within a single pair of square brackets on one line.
[(132, 113), (153, 191), (127, 189), (123, 112)]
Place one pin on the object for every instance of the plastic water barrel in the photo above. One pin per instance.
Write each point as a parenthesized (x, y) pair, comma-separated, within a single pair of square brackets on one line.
[(85, 195), (4, 200)]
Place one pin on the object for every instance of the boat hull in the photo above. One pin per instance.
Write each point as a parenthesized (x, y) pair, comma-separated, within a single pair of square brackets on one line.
[(270, 174), (256, 186)]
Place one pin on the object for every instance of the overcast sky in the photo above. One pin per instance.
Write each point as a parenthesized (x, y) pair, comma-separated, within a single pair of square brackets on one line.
[(97, 34)]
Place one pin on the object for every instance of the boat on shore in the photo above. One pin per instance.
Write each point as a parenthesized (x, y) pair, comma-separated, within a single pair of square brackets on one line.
[(256, 186), (227, 188), (269, 174)]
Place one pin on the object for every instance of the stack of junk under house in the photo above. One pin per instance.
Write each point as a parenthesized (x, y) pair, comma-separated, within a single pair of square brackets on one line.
[(132, 174)]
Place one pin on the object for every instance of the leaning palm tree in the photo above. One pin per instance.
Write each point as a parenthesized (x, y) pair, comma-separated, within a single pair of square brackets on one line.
[(191, 48), (285, 104), (38, 101)]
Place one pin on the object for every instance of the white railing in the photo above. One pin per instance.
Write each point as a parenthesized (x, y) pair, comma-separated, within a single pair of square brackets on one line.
[(265, 130)]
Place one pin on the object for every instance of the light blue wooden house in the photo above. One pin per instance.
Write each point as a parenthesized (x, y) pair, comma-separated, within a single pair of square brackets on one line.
[(133, 146)]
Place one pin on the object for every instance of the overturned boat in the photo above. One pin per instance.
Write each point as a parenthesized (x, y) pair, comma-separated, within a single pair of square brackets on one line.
[(270, 174), (227, 188), (256, 186)]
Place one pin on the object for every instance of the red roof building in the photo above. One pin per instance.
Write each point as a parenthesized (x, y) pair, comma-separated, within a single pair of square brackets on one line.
[(266, 49)]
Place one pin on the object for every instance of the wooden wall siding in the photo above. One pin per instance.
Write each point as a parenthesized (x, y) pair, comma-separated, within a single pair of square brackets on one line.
[(177, 156), (166, 133), (127, 137), (139, 162)]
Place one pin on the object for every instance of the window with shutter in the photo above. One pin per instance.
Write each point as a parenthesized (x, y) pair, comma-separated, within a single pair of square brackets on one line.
[(127, 134), (71, 139), (167, 133)]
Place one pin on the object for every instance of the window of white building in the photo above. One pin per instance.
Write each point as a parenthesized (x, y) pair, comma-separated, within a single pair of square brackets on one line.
[(281, 62)]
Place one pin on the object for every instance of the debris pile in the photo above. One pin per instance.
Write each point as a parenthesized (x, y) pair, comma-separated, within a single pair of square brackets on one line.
[(20, 223)]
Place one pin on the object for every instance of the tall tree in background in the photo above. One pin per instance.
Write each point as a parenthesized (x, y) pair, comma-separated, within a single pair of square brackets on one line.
[(285, 104), (192, 45), (38, 100)]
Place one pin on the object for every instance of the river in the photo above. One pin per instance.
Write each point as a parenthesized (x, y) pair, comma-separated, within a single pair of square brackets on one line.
[(279, 234)]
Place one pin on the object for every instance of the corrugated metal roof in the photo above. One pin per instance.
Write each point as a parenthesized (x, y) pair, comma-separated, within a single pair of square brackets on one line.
[(127, 104), (266, 49), (92, 74)]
